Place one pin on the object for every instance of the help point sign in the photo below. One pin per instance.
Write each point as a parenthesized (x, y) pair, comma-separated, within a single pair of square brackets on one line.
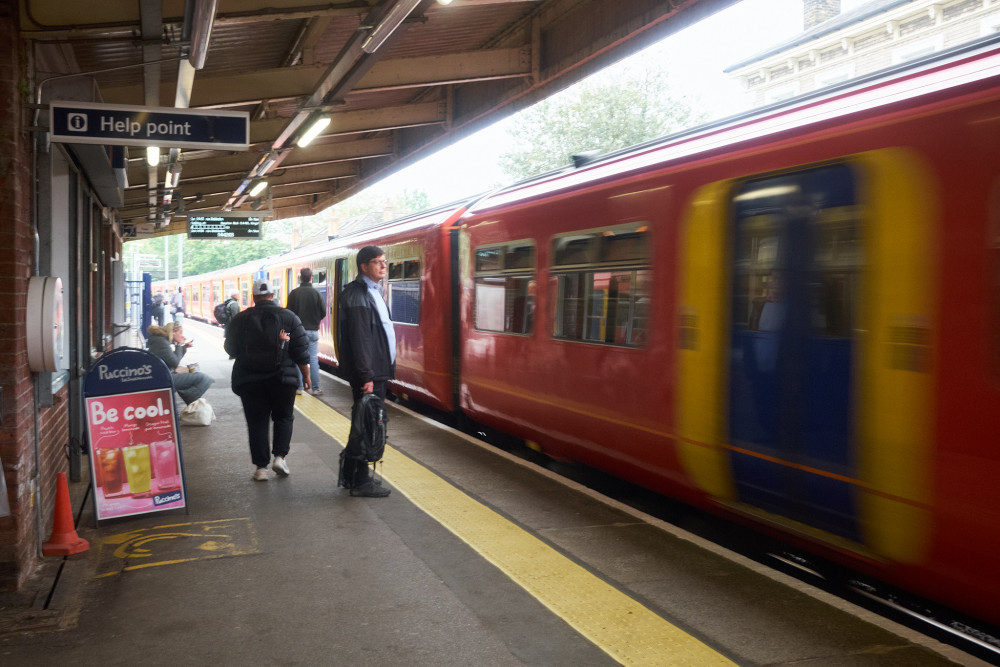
[(135, 449)]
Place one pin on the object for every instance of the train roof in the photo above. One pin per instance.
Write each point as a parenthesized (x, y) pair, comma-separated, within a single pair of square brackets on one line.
[(974, 62), (440, 215)]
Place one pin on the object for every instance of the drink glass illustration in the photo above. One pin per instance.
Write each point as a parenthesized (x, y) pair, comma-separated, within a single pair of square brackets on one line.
[(137, 469), (165, 466), (112, 474)]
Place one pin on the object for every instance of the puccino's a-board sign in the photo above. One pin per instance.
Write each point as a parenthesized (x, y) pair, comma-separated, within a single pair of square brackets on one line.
[(135, 447)]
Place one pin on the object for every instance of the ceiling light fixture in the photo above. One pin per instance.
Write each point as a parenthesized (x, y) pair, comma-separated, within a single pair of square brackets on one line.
[(314, 130), (258, 188), (152, 155), (392, 20)]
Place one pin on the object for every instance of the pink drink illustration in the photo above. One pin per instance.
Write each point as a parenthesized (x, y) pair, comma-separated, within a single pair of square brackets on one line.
[(165, 466)]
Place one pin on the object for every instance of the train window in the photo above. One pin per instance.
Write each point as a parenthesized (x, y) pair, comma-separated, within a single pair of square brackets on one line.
[(404, 291), (575, 250), (630, 246), (319, 276), (411, 269), (505, 287), (813, 213), (604, 297), (505, 304), (603, 306)]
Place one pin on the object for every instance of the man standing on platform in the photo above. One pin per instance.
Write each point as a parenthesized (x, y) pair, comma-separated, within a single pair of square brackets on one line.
[(232, 309), (308, 304), (267, 342), (367, 354)]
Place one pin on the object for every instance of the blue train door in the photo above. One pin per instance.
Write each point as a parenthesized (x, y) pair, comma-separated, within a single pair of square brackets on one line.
[(797, 263)]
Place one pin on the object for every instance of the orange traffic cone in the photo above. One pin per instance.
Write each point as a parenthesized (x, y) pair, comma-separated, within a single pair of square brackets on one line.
[(64, 541)]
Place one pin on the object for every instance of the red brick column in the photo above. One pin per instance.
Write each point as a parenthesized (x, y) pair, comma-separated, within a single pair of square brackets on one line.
[(19, 532)]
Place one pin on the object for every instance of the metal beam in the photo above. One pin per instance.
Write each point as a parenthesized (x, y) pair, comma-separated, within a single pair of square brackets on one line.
[(368, 120), (298, 82)]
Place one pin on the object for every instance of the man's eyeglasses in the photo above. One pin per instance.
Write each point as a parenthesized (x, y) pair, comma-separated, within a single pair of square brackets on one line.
[(381, 262)]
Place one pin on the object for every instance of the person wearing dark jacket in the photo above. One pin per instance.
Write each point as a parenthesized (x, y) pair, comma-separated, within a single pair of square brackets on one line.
[(306, 302), (367, 354), (267, 389), (169, 344), (232, 309)]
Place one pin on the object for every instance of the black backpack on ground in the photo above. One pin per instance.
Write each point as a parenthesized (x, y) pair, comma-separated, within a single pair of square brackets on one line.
[(368, 435), (263, 349), (221, 311)]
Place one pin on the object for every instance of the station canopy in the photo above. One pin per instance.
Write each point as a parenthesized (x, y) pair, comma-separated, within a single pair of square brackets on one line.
[(395, 79)]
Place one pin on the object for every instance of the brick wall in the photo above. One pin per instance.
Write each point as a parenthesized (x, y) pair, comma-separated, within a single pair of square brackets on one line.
[(19, 532)]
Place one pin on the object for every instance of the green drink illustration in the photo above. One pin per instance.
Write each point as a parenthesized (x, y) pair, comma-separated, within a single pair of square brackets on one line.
[(137, 469)]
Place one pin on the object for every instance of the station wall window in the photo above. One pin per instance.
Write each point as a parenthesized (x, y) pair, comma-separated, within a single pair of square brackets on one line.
[(404, 291), (505, 287), (603, 285)]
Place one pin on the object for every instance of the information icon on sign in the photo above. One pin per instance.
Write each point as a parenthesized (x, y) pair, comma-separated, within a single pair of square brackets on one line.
[(77, 122)]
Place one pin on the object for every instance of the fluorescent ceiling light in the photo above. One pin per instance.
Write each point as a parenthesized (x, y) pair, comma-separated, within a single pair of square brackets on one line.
[(313, 131), (152, 155), (392, 20), (257, 189)]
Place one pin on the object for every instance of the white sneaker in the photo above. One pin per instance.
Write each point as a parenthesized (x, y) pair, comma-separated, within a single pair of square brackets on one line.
[(279, 466), (260, 475)]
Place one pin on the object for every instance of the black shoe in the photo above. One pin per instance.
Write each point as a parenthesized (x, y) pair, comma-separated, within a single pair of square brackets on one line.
[(370, 490)]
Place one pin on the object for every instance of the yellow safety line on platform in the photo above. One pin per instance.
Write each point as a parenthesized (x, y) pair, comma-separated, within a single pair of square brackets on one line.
[(624, 629)]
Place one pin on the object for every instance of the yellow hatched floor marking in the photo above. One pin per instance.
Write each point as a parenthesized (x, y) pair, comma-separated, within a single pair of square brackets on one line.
[(614, 622)]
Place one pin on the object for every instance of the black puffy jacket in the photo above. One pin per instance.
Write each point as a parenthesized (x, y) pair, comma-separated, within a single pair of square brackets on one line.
[(363, 346), (296, 352)]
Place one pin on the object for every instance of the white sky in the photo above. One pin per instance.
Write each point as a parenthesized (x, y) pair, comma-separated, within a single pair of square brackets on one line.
[(695, 59)]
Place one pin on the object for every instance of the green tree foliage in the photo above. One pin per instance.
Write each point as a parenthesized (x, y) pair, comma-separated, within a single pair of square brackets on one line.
[(603, 114), (204, 255), (374, 199)]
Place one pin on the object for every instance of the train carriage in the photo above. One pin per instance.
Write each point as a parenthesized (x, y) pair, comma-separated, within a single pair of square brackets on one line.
[(817, 356), (790, 318)]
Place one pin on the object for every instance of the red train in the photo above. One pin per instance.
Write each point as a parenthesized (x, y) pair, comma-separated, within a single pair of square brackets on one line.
[(791, 318)]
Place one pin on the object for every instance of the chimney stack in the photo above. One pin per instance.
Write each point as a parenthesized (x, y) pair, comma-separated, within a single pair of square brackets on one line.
[(818, 11)]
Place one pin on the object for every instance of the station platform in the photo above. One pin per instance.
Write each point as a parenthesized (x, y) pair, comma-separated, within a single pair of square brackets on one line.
[(476, 558)]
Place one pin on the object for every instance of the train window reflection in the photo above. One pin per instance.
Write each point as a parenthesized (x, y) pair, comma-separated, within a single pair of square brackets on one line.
[(505, 304), (604, 297), (404, 291), (505, 287), (603, 306)]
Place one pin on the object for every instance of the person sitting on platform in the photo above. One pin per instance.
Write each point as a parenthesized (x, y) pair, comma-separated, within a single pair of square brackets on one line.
[(168, 343)]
